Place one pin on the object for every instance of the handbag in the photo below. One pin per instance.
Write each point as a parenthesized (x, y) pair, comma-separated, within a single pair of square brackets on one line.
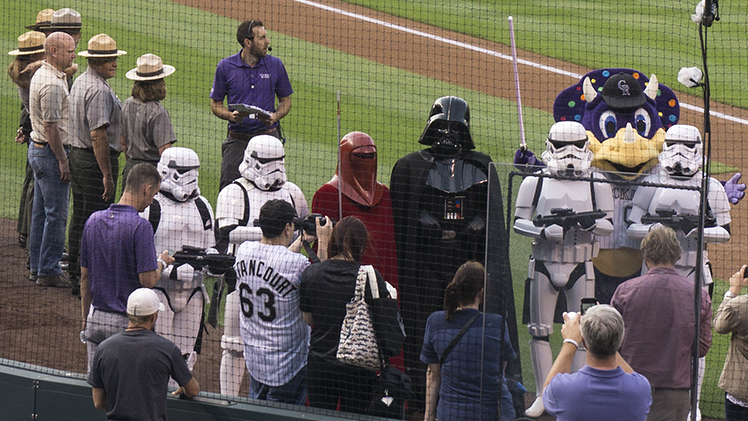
[(391, 390), (385, 314), (358, 342)]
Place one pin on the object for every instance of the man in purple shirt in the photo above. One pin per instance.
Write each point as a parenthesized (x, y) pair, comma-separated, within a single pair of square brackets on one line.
[(118, 257), (606, 387), (659, 315), (253, 78)]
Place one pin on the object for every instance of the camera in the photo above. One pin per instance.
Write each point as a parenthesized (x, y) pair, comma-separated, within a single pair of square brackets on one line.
[(308, 224)]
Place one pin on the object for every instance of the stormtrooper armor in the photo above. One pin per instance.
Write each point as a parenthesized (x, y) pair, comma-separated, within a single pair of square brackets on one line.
[(263, 178), (680, 164), (561, 256), (180, 217)]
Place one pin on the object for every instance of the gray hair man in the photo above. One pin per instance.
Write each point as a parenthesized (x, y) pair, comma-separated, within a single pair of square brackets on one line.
[(586, 394)]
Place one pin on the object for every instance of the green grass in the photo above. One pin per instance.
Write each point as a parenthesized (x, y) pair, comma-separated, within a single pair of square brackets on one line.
[(389, 104), (648, 35)]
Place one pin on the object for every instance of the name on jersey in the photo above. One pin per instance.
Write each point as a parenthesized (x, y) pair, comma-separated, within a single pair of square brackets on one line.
[(625, 193), (275, 280)]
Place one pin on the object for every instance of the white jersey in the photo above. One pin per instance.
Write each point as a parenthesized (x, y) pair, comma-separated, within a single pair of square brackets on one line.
[(623, 196), (275, 336)]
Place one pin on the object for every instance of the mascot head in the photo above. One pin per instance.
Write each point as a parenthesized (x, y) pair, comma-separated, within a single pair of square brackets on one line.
[(625, 115)]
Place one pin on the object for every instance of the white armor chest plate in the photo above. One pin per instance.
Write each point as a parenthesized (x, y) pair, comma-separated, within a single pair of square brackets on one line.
[(230, 205), (180, 225)]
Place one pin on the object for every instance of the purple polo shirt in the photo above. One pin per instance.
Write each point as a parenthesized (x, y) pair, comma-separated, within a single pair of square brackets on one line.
[(117, 245), (257, 85)]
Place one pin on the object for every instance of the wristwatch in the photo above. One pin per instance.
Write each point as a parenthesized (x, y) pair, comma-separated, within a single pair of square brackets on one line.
[(729, 295)]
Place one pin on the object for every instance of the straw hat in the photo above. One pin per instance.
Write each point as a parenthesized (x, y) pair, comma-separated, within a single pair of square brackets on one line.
[(43, 20), (102, 45), (31, 42), (66, 19), (150, 67)]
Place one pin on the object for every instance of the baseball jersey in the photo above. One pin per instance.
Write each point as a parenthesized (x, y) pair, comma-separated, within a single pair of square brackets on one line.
[(276, 339)]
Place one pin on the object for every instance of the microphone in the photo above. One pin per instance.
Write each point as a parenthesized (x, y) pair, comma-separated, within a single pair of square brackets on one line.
[(270, 49)]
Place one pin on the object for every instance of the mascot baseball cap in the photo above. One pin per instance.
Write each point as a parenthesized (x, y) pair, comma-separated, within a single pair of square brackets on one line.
[(143, 302), (623, 91)]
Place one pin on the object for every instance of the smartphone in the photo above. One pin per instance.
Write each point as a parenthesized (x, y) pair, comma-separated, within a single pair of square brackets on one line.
[(587, 303)]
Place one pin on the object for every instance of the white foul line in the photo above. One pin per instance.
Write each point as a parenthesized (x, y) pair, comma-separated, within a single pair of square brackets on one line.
[(489, 52)]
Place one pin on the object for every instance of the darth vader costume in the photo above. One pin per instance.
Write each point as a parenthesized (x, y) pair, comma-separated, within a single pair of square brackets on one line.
[(439, 203)]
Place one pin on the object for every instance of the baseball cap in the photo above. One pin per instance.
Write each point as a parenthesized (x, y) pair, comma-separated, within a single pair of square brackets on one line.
[(143, 302), (623, 91)]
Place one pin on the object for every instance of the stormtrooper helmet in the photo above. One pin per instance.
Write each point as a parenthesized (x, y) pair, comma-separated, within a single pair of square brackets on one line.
[(264, 163), (567, 150), (178, 168), (682, 152)]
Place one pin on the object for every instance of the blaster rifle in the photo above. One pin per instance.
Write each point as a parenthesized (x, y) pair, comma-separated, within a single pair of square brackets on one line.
[(684, 222), (566, 218), (198, 259)]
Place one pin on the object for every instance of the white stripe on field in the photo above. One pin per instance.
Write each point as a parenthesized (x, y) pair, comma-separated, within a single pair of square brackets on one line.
[(489, 52)]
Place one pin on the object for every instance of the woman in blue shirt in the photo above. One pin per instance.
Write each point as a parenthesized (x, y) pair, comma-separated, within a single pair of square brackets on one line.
[(468, 383)]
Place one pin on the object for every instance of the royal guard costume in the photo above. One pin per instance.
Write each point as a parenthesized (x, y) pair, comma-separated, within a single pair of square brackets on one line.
[(354, 189)]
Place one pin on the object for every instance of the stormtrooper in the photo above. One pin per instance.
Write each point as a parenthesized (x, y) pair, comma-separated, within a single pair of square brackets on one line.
[(680, 166), (564, 215), (263, 178), (181, 217)]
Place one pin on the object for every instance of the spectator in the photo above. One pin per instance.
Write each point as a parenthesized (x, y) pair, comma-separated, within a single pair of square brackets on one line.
[(606, 387), (118, 257), (326, 288), (95, 123), (732, 317), (146, 126), (658, 305), (250, 77), (30, 50), (468, 381), (268, 279), (48, 106), (131, 370)]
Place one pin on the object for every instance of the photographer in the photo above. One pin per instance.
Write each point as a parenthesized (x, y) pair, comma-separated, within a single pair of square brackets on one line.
[(606, 388), (268, 272)]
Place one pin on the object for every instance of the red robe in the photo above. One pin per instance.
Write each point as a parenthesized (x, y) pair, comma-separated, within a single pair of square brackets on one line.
[(382, 249)]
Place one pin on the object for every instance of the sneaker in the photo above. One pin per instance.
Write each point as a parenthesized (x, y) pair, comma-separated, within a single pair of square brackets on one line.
[(32, 276), (57, 281)]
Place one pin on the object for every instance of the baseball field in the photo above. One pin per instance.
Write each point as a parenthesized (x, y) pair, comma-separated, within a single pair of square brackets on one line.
[(389, 61)]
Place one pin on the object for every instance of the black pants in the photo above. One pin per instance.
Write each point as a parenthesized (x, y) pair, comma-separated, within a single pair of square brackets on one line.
[(327, 381), (88, 187)]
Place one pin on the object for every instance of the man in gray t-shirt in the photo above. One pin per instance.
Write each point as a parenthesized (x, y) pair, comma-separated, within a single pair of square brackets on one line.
[(131, 370)]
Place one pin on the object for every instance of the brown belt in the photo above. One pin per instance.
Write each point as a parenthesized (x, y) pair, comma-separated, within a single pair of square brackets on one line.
[(247, 136)]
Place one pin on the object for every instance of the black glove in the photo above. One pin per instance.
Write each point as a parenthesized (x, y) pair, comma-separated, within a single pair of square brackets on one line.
[(429, 225), (587, 222)]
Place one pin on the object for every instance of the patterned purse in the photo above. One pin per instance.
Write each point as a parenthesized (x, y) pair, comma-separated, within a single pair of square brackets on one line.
[(358, 342)]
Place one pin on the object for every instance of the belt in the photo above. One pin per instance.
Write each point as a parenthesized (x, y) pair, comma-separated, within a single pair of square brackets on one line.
[(247, 136)]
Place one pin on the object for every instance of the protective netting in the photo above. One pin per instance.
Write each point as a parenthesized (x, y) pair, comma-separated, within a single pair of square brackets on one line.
[(391, 112)]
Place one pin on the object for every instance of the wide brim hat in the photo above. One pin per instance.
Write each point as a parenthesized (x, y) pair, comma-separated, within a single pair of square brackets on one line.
[(66, 19), (150, 67), (31, 42), (101, 45), (43, 20)]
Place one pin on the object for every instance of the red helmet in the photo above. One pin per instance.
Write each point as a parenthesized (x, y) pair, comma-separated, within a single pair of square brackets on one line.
[(356, 175)]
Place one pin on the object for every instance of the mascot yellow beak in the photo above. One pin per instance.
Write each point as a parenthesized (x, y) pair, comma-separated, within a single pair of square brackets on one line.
[(628, 152)]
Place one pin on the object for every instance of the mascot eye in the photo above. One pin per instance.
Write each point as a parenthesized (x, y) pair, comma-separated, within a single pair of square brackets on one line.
[(608, 124), (643, 122)]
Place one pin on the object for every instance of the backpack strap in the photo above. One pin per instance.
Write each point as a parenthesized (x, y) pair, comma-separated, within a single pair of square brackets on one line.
[(204, 213), (154, 214), (245, 219), (538, 190), (457, 338)]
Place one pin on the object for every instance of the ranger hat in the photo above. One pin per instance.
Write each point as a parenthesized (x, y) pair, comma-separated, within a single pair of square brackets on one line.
[(150, 67), (102, 45), (43, 19), (66, 19), (143, 302), (623, 91), (31, 42)]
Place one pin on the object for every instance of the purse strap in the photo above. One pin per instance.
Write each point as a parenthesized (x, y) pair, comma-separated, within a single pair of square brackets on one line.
[(366, 272), (457, 338)]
